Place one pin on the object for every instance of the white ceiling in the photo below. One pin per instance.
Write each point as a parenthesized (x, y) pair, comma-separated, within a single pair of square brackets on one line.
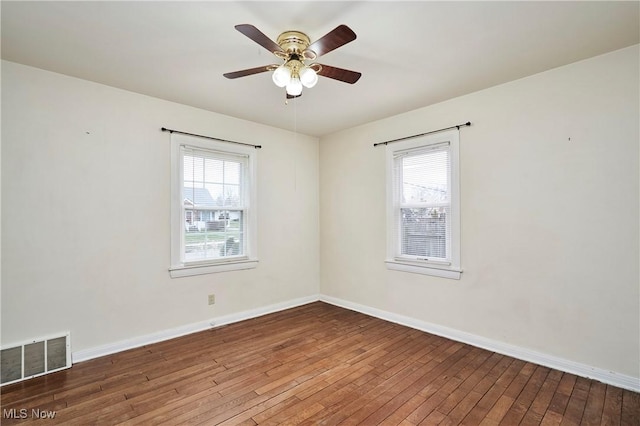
[(410, 54)]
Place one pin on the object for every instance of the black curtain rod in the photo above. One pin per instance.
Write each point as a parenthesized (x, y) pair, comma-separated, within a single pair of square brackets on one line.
[(468, 123), (164, 129)]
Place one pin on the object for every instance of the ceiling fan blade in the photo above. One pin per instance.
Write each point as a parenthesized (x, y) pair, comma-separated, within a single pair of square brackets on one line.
[(337, 37), (339, 74), (250, 71), (256, 35)]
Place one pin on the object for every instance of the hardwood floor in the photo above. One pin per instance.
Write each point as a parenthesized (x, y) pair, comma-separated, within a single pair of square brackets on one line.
[(315, 364)]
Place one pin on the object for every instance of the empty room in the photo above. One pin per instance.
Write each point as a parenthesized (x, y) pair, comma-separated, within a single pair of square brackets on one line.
[(320, 213)]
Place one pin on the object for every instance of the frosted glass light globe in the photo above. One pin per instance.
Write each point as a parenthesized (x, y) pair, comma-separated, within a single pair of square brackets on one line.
[(294, 88), (281, 76), (308, 77)]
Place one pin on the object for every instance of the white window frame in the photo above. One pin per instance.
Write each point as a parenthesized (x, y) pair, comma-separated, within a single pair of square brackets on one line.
[(249, 260), (395, 261)]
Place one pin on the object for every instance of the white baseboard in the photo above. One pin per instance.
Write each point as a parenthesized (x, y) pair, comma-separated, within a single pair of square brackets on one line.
[(604, 376), (172, 333)]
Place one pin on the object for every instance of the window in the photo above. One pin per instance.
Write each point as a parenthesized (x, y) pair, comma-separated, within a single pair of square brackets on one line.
[(213, 206), (423, 229)]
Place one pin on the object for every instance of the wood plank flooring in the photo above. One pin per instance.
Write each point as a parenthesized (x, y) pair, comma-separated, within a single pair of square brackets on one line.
[(315, 365)]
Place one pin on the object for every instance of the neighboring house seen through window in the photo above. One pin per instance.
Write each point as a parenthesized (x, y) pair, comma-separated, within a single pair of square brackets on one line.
[(213, 207), (423, 205)]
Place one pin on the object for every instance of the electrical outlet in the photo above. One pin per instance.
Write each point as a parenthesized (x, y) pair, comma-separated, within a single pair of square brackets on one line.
[(212, 299)]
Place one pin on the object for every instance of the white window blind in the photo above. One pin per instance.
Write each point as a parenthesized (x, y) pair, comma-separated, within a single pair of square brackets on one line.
[(423, 179), (214, 204)]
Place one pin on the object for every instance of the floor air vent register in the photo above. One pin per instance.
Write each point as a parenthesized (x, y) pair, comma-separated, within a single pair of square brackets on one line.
[(34, 358)]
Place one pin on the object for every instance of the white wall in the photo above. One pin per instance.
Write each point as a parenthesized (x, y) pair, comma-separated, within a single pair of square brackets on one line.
[(549, 225), (85, 213)]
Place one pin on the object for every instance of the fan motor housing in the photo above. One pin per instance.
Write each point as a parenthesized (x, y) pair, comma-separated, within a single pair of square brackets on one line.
[(293, 42)]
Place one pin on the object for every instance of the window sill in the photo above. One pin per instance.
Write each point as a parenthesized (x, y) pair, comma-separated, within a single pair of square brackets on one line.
[(424, 269), (190, 270)]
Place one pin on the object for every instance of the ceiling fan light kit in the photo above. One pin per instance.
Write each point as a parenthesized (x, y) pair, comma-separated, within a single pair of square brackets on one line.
[(294, 48), (294, 74)]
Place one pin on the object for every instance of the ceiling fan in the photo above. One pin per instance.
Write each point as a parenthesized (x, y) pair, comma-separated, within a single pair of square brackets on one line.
[(295, 48)]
